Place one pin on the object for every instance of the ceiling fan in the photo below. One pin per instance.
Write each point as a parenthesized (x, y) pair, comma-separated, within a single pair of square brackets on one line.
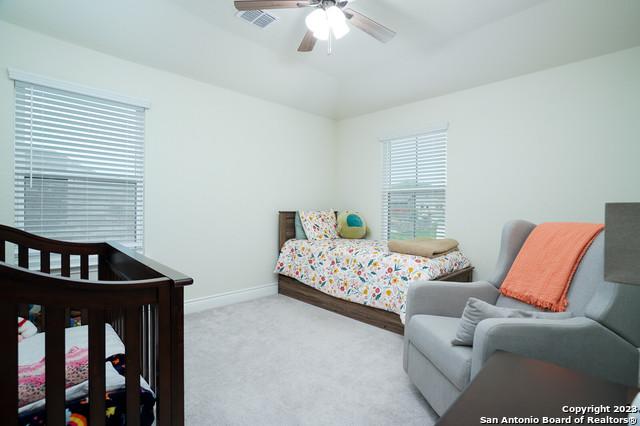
[(327, 21)]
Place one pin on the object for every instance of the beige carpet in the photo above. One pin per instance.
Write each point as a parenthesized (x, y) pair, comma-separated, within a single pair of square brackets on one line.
[(278, 361)]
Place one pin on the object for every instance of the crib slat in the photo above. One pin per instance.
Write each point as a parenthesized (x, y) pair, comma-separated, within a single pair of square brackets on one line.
[(153, 361), (45, 262), (96, 368), (103, 268), (132, 362), (164, 357), (23, 256), (2, 251), (42, 319), (84, 266), (8, 364), (23, 261), (23, 311), (177, 355), (65, 258), (145, 342), (55, 365)]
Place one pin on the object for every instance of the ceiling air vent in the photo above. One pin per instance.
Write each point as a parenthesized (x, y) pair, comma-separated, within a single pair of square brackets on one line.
[(257, 17)]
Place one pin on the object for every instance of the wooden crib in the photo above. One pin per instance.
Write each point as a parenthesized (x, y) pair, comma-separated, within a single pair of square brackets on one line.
[(141, 299)]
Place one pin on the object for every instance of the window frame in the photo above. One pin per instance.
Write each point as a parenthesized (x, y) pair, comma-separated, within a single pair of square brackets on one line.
[(128, 171), (417, 186)]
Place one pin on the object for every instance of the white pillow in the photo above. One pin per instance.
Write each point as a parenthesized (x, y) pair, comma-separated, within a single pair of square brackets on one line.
[(319, 225)]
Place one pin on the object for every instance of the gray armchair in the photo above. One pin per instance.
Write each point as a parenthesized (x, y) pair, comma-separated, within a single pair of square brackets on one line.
[(601, 339)]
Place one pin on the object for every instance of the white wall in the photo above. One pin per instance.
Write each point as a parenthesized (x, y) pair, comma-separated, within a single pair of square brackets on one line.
[(219, 165), (554, 145), (550, 146)]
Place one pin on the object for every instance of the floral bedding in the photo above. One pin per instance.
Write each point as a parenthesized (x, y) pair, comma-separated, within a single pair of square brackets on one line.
[(362, 271)]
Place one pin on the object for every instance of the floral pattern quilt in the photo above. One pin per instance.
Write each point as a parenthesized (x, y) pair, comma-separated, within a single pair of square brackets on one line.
[(362, 271)]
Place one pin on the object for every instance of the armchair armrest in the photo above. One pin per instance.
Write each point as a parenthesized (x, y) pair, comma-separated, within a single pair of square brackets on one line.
[(445, 298), (577, 343)]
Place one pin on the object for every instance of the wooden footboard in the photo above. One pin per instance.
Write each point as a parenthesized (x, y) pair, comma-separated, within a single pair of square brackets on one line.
[(377, 317), (140, 298), (367, 314)]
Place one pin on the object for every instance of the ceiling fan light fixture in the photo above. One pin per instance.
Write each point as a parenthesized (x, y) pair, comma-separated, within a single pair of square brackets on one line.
[(322, 34), (335, 16), (322, 22), (317, 21), (337, 22), (340, 30)]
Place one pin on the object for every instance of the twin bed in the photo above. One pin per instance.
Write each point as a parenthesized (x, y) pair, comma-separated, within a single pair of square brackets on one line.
[(360, 279), (125, 364)]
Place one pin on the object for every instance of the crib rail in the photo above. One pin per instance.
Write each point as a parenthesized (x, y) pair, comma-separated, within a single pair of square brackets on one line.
[(140, 298)]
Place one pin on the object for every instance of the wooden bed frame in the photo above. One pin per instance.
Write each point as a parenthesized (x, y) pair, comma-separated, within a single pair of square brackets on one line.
[(142, 300), (377, 317)]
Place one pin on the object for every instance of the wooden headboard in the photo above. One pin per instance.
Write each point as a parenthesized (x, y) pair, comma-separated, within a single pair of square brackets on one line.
[(286, 228)]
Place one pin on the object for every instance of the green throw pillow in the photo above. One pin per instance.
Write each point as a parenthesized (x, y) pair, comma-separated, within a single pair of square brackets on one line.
[(351, 225)]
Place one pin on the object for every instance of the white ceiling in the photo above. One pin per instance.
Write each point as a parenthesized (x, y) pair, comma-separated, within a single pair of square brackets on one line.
[(442, 45)]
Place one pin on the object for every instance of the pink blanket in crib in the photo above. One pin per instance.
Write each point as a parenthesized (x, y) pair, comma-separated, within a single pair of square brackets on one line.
[(31, 378)]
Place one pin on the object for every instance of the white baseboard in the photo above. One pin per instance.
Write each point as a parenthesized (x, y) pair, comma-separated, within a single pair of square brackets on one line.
[(229, 298)]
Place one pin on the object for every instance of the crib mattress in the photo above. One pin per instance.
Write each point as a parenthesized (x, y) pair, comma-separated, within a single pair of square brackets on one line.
[(32, 350), (362, 271)]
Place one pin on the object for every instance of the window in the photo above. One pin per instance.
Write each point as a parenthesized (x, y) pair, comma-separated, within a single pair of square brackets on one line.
[(414, 182), (78, 166)]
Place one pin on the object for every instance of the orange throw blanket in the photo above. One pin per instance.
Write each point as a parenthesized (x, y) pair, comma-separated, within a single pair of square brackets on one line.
[(544, 268)]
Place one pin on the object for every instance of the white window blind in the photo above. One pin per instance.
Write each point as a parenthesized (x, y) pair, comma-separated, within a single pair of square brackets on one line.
[(414, 184), (78, 166)]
